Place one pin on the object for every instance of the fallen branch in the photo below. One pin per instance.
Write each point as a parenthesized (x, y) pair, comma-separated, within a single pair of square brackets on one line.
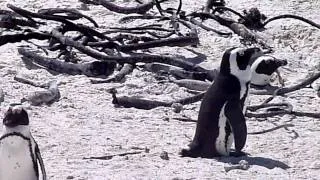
[(125, 70), (47, 96), (71, 26), (12, 22), (175, 71), (91, 69), (4, 39), (129, 18), (294, 17), (29, 82), (198, 23), (193, 84), (171, 42), (130, 60), (76, 14), (139, 103), (140, 9)]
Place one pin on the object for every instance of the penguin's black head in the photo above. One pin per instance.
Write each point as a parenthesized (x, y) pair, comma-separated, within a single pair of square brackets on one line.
[(15, 117), (268, 65), (235, 60)]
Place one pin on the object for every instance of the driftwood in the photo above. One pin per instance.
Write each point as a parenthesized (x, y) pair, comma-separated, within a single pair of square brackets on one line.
[(129, 59), (125, 70), (72, 14), (139, 103), (198, 23), (29, 82), (140, 9), (69, 25), (179, 73), (46, 96), (193, 84), (294, 17), (4, 39), (91, 69), (177, 41), (131, 18), (12, 22), (238, 28)]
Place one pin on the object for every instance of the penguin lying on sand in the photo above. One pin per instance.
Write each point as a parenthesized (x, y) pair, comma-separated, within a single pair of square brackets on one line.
[(19, 153), (263, 67), (221, 119)]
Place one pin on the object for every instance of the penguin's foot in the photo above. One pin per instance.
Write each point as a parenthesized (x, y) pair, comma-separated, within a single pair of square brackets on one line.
[(238, 153), (188, 153)]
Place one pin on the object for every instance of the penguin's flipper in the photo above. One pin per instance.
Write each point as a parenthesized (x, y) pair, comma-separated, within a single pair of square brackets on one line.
[(39, 158), (233, 112)]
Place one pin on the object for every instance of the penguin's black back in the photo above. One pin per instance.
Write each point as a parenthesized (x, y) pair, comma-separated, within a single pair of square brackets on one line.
[(225, 88)]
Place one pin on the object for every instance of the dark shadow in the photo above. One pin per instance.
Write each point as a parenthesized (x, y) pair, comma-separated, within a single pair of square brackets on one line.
[(258, 161)]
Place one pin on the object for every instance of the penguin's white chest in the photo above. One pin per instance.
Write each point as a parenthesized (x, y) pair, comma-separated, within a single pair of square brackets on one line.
[(224, 140), (15, 159), (260, 79)]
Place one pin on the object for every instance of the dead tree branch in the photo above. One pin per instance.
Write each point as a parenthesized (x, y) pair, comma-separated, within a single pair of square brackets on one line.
[(4, 39), (71, 13), (125, 70), (91, 69), (140, 9), (294, 17), (130, 59), (69, 25)]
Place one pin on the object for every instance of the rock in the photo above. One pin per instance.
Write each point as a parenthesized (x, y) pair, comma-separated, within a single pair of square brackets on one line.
[(164, 155)]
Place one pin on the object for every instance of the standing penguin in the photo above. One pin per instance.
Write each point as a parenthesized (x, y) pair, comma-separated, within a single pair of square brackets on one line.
[(263, 67), (19, 153), (221, 120)]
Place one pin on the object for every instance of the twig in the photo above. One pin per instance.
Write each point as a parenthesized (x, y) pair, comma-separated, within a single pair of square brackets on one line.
[(107, 157), (272, 129)]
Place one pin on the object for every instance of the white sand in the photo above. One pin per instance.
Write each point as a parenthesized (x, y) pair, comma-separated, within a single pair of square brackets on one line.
[(85, 123)]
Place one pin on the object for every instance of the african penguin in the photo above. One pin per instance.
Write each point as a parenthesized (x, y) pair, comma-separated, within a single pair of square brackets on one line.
[(263, 67), (19, 152), (221, 120)]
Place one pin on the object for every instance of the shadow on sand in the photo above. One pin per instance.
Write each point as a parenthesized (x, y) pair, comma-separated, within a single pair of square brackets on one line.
[(259, 161)]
